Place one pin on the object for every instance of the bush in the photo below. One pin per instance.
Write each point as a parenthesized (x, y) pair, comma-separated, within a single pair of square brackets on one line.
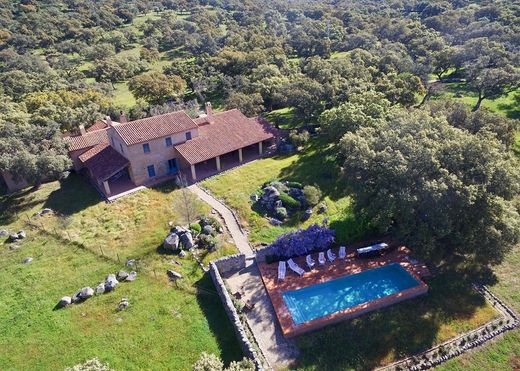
[(208, 362), (210, 220), (207, 242), (289, 202), (195, 227), (312, 195), (279, 186), (281, 213), (93, 364), (302, 241), (294, 185), (299, 139)]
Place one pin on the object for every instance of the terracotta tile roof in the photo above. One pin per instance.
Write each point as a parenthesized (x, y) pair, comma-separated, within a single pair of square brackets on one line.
[(103, 161), (87, 140), (227, 132), (146, 129), (98, 125)]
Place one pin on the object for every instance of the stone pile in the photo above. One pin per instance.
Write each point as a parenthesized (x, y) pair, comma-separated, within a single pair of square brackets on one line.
[(17, 236), (109, 284), (198, 235), (179, 237), (279, 200)]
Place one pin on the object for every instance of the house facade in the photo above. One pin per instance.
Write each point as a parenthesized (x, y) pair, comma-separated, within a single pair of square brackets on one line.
[(120, 155)]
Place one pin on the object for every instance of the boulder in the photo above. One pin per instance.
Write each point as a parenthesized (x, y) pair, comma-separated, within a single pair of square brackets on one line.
[(132, 276), (86, 292), (208, 230), (21, 234), (13, 238), (278, 204), (27, 260), (121, 276), (111, 282), (46, 211), (275, 222), (186, 240), (130, 262), (171, 242), (254, 197), (4, 233), (64, 301), (171, 224), (100, 289), (172, 275), (322, 208), (271, 192), (182, 253), (178, 230), (123, 304), (307, 214)]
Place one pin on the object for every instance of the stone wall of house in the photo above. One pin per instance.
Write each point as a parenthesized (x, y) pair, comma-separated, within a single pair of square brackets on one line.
[(158, 156), (244, 341)]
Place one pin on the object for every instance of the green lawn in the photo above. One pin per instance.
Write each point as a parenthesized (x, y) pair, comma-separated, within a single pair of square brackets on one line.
[(506, 105), (316, 165), (283, 118), (166, 326)]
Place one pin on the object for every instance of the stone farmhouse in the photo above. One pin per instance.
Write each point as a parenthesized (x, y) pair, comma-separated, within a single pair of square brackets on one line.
[(119, 157)]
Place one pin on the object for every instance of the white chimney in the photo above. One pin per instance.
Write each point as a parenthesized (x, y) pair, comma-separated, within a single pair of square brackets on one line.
[(82, 130), (108, 121), (209, 109), (122, 118)]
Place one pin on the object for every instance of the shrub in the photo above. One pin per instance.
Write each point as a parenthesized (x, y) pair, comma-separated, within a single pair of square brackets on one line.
[(93, 364), (294, 185), (208, 362), (281, 213), (207, 242), (279, 186), (312, 195), (195, 227), (289, 202), (299, 139), (210, 220), (303, 241)]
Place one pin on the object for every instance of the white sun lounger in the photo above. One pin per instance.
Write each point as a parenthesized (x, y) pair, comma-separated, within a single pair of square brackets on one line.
[(295, 267), (281, 270), (342, 252), (330, 255), (321, 258), (310, 261)]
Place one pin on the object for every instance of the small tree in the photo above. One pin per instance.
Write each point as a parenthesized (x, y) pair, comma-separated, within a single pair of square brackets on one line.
[(186, 204), (312, 194), (299, 139)]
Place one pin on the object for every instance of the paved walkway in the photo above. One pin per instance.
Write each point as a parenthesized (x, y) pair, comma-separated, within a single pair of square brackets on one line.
[(236, 232), (279, 351)]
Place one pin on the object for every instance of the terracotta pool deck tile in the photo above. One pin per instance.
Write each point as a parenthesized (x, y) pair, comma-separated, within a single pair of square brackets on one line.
[(330, 271)]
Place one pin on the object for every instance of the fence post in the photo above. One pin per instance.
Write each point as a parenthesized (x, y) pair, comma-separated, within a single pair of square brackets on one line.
[(100, 249), (155, 274), (119, 260)]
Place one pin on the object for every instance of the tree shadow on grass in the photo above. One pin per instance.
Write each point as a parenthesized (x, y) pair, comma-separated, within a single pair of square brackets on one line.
[(395, 332), (218, 322), (15, 203), (74, 195), (318, 164)]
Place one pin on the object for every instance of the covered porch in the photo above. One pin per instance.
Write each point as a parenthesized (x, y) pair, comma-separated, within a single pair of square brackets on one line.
[(204, 169)]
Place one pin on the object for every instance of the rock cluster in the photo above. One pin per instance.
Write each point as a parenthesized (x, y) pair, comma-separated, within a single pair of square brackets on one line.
[(177, 238), (17, 236), (110, 283), (279, 200), (198, 235)]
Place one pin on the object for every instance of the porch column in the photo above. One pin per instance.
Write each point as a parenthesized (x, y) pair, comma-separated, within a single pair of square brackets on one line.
[(218, 162), (240, 159), (260, 148), (106, 187), (193, 173)]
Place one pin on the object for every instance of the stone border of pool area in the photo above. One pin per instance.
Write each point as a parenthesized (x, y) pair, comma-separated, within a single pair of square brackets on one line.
[(330, 271)]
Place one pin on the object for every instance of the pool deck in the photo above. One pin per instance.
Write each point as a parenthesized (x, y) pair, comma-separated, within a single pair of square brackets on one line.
[(330, 271)]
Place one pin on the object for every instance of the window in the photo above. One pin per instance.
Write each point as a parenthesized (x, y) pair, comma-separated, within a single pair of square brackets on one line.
[(121, 148), (172, 165), (146, 148), (151, 171), (188, 135), (168, 142)]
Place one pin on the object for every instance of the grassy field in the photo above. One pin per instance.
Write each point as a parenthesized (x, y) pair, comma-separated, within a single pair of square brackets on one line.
[(166, 327), (316, 165)]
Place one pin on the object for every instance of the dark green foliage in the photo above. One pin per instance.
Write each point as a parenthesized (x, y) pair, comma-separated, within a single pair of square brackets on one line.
[(281, 213), (207, 242), (312, 194), (289, 202)]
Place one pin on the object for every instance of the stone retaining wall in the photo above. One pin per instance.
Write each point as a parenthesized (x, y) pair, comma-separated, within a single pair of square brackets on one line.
[(245, 343), (454, 347), (231, 263)]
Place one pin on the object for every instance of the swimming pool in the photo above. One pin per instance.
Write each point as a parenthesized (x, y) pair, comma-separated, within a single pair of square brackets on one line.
[(322, 299)]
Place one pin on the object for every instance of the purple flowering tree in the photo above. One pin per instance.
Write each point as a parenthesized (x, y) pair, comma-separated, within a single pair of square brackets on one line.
[(303, 241)]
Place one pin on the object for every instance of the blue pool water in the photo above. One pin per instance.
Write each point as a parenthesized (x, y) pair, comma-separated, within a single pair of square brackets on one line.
[(322, 299)]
